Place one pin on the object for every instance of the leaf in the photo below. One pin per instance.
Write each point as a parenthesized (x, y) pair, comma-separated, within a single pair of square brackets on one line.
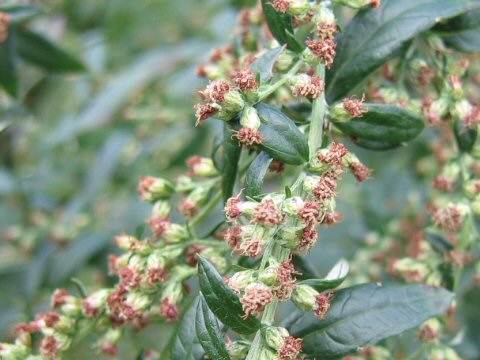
[(333, 279), (256, 174), (208, 332), (366, 314), (465, 137), (438, 242), (374, 145), (281, 27), (21, 13), (375, 36), (42, 52), (264, 64), (231, 156), (8, 69), (462, 32), (386, 124), (306, 269), (282, 139), (185, 344), (223, 301)]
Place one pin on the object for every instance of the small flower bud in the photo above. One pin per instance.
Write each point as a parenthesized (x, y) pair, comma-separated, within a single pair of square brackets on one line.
[(246, 80), (124, 241), (108, 342), (304, 296), (430, 331), (235, 208), (442, 352), (275, 336), (291, 206), (250, 118), (162, 209), (267, 213), (290, 236), (14, 352), (192, 203), (68, 304), (175, 233), (305, 85), (238, 350), (322, 49), (201, 166), (51, 346), (95, 303), (255, 298), (152, 189), (285, 61), (240, 280)]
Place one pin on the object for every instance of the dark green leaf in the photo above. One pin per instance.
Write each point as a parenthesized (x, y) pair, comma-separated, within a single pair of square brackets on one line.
[(438, 242), (462, 32), (21, 13), (282, 139), (465, 137), (306, 269), (185, 344), (281, 27), (42, 52), (8, 69), (375, 36), (223, 302), (208, 332), (333, 279), (231, 155), (365, 314), (374, 145), (385, 124), (264, 64), (256, 174)]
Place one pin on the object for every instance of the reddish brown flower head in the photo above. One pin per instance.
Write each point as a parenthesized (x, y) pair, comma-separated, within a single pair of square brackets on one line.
[(472, 120), (268, 214), (428, 333), (60, 297), (323, 49), (109, 349), (249, 136), (310, 213), (335, 154), (232, 210), (191, 254), (449, 217), (187, 207), (49, 319), (277, 166), (325, 189), (251, 246), (322, 304), (291, 348), (327, 30), (333, 218), (309, 238), (233, 237), (120, 311), (156, 275), (5, 20), (130, 277), (280, 5), (246, 79), (216, 91), (255, 298), (30, 327), (283, 292), (443, 183), (354, 106), (360, 171), (159, 225), (375, 3), (114, 264), (49, 347), (169, 310), (426, 75), (204, 111), (313, 88), (286, 270)]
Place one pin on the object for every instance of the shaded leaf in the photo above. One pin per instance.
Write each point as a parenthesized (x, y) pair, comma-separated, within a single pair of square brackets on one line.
[(438, 242), (365, 314), (223, 301), (231, 156), (21, 13), (462, 32), (208, 332), (465, 137), (8, 69), (333, 279), (264, 64), (256, 174), (374, 36), (282, 139), (42, 52)]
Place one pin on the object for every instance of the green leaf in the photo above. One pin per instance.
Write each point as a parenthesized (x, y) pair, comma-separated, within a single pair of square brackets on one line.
[(256, 174), (375, 145), (208, 332), (40, 51), (385, 124), (282, 139), (280, 26), (21, 13), (438, 242), (333, 279), (462, 32), (366, 314), (465, 137), (263, 66), (185, 344), (231, 156), (223, 301), (374, 36), (8, 69)]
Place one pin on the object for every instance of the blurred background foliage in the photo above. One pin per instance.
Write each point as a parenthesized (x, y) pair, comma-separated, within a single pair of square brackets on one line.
[(73, 146)]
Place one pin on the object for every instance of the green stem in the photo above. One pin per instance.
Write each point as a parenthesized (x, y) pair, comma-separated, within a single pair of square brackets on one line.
[(281, 82), (318, 114), (206, 210)]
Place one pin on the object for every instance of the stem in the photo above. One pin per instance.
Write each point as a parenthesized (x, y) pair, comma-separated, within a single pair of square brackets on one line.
[(206, 210), (318, 114), (281, 82)]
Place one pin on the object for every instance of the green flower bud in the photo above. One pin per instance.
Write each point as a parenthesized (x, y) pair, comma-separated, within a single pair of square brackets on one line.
[(185, 184), (152, 189), (292, 205), (13, 352), (269, 276), (476, 207), (310, 58), (285, 60), (310, 183), (290, 236), (138, 301), (175, 233), (162, 208), (250, 118), (304, 296), (462, 110), (339, 114), (267, 354), (442, 352), (299, 7), (232, 105), (240, 280), (202, 166), (275, 336), (238, 350)]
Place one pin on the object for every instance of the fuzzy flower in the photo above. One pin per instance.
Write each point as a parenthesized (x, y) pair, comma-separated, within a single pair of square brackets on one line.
[(322, 304), (201, 166), (450, 217), (131, 277), (308, 239), (323, 49), (251, 246), (255, 298), (334, 155), (267, 214), (291, 348), (204, 111), (246, 79), (304, 85), (327, 30), (443, 183), (159, 225), (280, 5), (354, 106), (310, 213), (249, 136), (360, 171), (169, 310), (325, 189), (233, 236), (215, 91), (333, 218)]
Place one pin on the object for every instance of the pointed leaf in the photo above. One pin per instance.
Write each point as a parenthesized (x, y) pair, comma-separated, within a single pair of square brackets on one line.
[(462, 32), (256, 174), (282, 139), (465, 137), (208, 332), (42, 52), (8, 69), (333, 279), (263, 66), (375, 36), (231, 156), (223, 301), (21, 13), (366, 314)]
